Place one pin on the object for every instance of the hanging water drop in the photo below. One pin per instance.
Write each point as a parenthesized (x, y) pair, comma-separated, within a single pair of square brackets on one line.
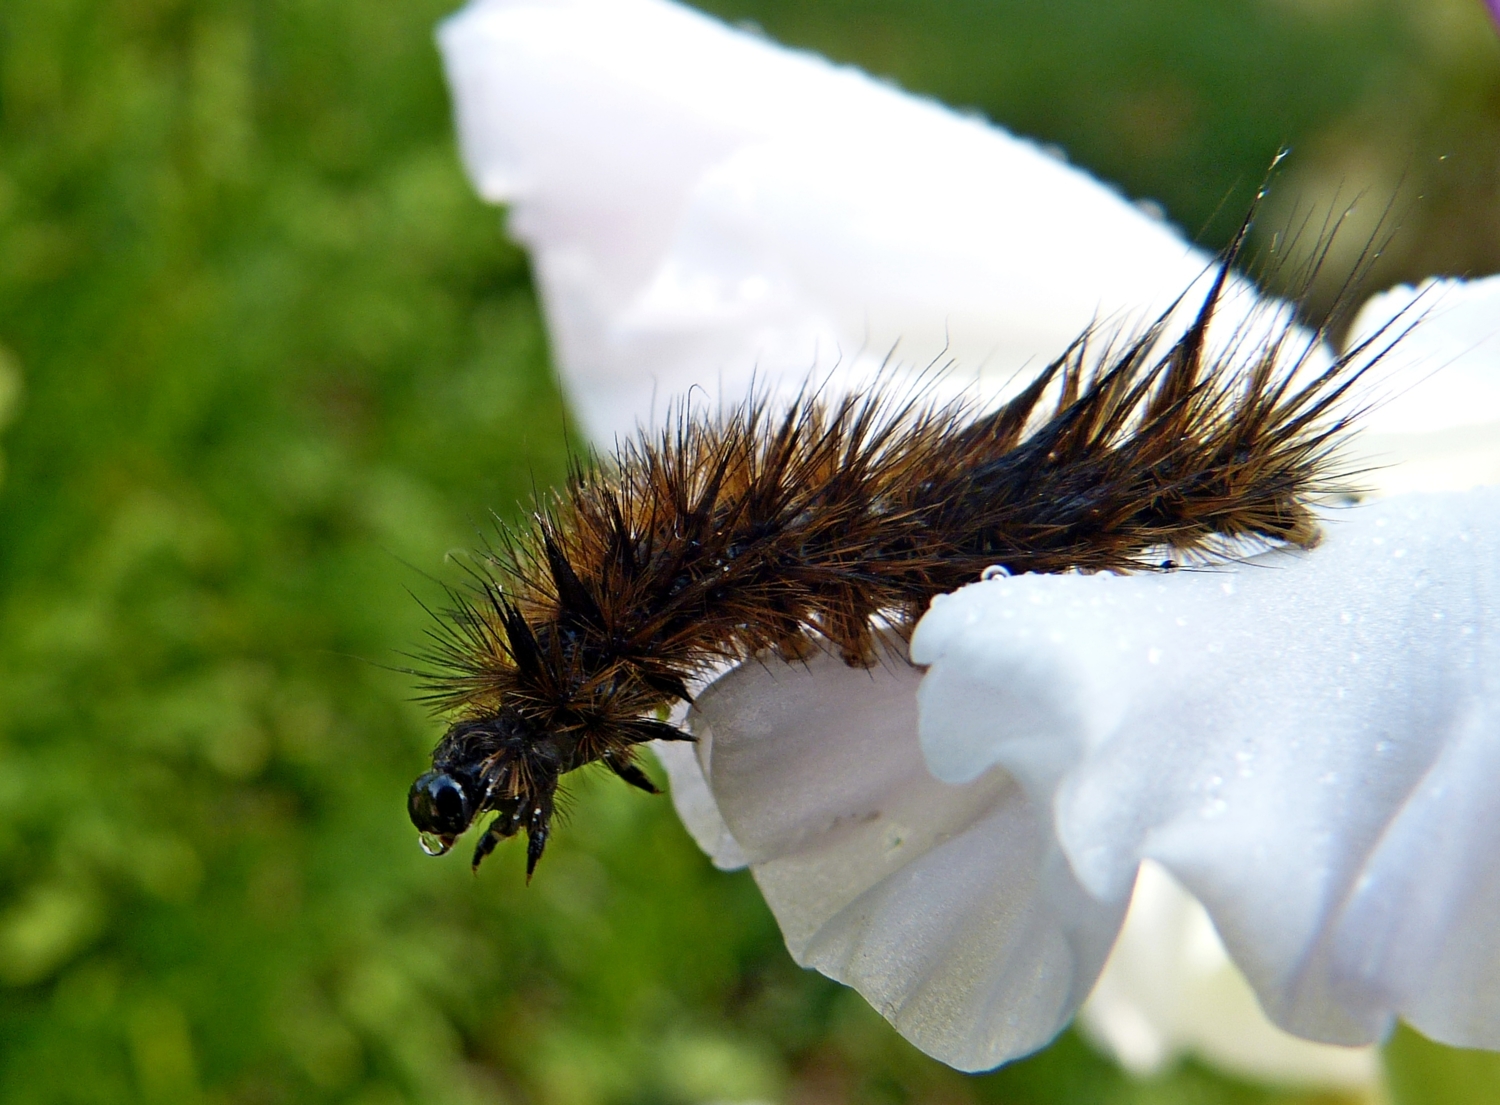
[(433, 844)]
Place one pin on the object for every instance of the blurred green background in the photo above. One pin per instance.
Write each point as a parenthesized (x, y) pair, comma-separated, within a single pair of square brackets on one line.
[(265, 360)]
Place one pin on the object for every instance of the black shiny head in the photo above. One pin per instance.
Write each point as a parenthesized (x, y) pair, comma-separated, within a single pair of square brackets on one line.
[(441, 810), (507, 765)]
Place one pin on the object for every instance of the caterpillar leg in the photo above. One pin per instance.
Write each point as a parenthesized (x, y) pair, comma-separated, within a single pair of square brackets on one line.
[(506, 824), (538, 828), (534, 814), (631, 773)]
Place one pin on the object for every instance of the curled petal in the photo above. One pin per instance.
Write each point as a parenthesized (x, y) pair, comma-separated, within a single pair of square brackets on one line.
[(1170, 990), (695, 805), (949, 907), (1307, 743)]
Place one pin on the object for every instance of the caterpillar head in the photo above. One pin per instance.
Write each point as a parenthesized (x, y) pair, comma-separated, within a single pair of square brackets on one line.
[(510, 765), (441, 806), (499, 763)]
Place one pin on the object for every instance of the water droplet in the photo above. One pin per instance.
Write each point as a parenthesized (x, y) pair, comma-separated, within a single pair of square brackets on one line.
[(433, 844), (995, 571)]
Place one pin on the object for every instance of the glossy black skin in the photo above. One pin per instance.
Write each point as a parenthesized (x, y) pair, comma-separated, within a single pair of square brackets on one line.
[(498, 764), (503, 764)]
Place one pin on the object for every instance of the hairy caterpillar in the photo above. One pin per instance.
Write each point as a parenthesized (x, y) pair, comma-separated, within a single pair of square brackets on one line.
[(727, 535)]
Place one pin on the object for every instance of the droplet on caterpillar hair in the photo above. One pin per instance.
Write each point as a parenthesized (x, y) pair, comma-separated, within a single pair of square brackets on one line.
[(756, 531)]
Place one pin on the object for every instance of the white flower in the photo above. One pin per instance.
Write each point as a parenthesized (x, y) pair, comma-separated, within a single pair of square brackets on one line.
[(961, 845), (1306, 744)]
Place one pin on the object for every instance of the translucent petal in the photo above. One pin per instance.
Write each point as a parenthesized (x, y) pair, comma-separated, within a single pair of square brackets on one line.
[(948, 907), (703, 206), (695, 804), (1435, 425), (1169, 990)]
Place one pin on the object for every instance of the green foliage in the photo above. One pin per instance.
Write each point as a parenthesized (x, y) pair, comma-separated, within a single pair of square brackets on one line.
[(1174, 99), (1424, 1073), (270, 362)]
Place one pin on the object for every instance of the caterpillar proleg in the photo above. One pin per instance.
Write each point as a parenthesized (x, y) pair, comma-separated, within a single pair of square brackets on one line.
[(761, 528)]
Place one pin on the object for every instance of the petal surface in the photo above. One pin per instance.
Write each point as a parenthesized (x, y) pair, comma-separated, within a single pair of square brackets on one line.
[(949, 907), (1306, 742)]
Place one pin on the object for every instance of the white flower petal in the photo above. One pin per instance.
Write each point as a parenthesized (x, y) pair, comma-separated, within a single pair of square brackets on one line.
[(1305, 742), (1169, 989), (1437, 428), (948, 907), (695, 805), (702, 205)]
